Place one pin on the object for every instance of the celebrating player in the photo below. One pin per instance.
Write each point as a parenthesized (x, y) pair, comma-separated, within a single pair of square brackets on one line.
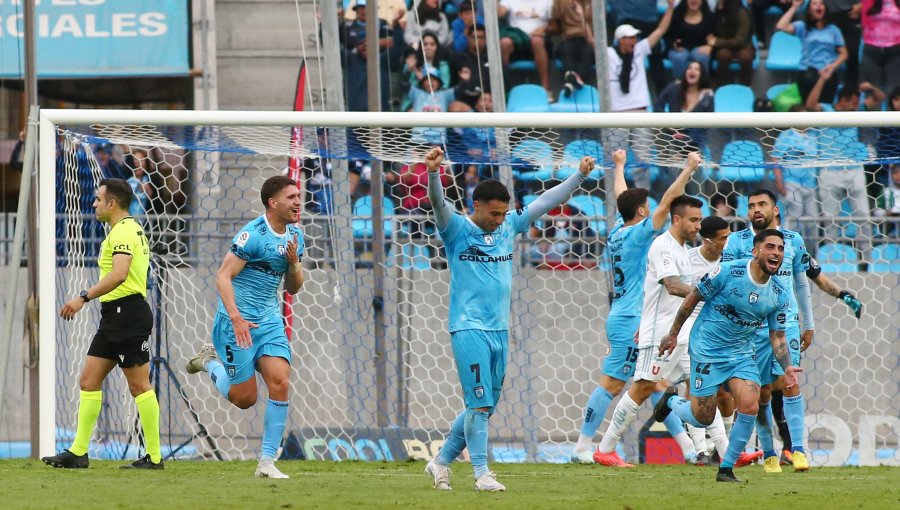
[(248, 331), (628, 244), (740, 296), (666, 283), (479, 253), (124, 333)]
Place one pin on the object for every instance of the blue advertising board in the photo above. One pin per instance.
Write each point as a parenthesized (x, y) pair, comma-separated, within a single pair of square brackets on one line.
[(98, 38)]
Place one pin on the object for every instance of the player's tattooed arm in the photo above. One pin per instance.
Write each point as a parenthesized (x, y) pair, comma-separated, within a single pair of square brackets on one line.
[(827, 286), (675, 286), (780, 348), (667, 344), (831, 288)]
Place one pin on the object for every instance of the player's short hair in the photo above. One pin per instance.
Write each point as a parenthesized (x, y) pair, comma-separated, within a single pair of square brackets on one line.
[(491, 189), (712, 224), (118, 190), (273, 186), (629, 201), (760, 237), (764, 191), (683, 202)]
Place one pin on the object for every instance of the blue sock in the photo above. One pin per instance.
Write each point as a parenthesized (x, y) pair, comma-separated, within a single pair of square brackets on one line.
[(219, 376), (737, 441), (273, 428), (476, 429), (794, 410), (455, 442), (595, 411), (681, 407), (673, 422), (764, 430)]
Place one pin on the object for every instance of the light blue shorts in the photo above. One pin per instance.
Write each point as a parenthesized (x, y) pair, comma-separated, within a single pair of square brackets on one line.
[(623, 349), (481, 364), (269, 339), (769, 368), (706, 378)]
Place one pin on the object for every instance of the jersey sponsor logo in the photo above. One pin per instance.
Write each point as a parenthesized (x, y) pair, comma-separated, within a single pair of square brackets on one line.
[(754, 297), (242, 239), (264, 267), (785, 272), (738, 271), (795, 344), (476, 254), (714, 272), (479, 392), (730, 313), (488, 238), (781, 318), (121, 247)]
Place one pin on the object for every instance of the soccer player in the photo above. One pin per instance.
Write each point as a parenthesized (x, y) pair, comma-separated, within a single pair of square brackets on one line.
[(480, 256), (123, 337), (763, 214), (740, 296), (702, 259), (666, 283), (248, 331), (628, 244)]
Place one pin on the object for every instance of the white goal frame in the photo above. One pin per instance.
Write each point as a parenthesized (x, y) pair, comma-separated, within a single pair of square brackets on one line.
[(51, 119)]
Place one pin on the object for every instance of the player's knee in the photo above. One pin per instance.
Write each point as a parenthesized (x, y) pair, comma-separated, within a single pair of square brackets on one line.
[(751, 408), (278, 388), (243, 401), (89, 382), (138, 387)]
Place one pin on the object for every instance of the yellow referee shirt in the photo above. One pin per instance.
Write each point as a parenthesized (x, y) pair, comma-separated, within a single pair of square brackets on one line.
[(127, 237)]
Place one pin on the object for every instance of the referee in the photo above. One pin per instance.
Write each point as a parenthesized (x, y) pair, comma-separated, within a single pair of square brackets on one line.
[(124, 334)]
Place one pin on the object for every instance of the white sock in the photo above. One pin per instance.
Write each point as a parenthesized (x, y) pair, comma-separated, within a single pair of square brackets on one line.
[(727, 422), (685, 443), (718, 435), (698, 436), (584, 443), (622, 416)]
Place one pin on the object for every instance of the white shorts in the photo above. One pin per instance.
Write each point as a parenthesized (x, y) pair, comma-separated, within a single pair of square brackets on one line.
[(653, 367)]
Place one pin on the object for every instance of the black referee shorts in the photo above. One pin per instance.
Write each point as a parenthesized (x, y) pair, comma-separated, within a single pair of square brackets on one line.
[(124, 333)]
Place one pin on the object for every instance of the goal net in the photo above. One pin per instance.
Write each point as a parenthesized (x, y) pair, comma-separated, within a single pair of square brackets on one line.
[(372, 373)]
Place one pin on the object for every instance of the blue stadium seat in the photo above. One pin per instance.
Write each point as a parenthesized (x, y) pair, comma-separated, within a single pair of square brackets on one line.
[(742, 161), (774, 90), (734, 98), (527, 98), (584, 100), (590, 205), (837, 258), (785, 51), (741, 210), (362, 208), (886, 258), (534, 153), (577, 149), (522, 65)]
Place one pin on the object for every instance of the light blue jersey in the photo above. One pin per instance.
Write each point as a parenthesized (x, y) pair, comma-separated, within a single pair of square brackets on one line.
[(481, 265), (735, 307), (796, 261), (628, 248), (256, 286)]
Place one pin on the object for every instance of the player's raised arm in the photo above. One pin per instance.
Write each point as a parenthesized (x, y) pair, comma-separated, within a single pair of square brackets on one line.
[(676, 189), (559, 193), (684, 311), (619, 185), (829, 287), (442, 211), (230, 268)]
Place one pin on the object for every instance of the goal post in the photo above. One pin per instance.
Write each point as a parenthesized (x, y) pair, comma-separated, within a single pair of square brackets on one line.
[(218, 159)]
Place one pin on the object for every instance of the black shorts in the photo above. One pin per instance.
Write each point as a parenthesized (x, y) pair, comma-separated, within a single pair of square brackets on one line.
[(124, 333)]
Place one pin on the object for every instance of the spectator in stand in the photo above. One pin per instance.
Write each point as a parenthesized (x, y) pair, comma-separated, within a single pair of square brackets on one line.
[(795, 178), (108, 164), (721, 206), (432, 55), (690, 93), (392, 11), (529, 18), (888, 203), (643, 15), (355, 54), (427, 17), (688, 35), (629, 92), (472, 64), (141, 187), (461, 24), (571, 19), (881, 43), (824, 49), (732, 41), (845, 15), (760, 8)]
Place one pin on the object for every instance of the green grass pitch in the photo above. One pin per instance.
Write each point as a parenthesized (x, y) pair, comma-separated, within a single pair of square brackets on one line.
[(223, 485)]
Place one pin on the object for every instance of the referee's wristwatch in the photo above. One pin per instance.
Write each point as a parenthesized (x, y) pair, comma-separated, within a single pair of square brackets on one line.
[(84, 295)]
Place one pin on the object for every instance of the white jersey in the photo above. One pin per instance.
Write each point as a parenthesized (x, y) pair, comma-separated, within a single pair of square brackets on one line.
[(667, 257), (698, 266)]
